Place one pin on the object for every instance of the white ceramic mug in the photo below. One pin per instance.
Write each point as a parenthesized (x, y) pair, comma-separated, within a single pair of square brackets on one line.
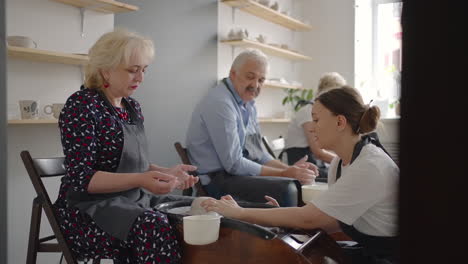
[(309, 192), (21, 41), (53, 109), (29, 109), (201, 229)]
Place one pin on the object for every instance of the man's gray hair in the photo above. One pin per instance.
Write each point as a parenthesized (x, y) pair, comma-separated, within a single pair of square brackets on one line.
[(250, 54)]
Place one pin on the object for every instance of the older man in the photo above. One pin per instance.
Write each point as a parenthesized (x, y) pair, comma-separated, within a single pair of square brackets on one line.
[(224, 141)]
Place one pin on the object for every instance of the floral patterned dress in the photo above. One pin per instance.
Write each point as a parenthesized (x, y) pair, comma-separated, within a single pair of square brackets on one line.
[(92, 140)]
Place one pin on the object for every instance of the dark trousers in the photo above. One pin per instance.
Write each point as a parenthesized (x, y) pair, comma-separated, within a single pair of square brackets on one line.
[(254, 188)]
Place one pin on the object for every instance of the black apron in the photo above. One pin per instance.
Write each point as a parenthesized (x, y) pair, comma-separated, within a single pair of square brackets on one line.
[(253, 188), (370, 249), (116, 212)]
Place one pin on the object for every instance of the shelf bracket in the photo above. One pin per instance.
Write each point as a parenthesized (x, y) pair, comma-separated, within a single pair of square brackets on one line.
[(233, 50), (82, 71), (233, 15), (82, 13)]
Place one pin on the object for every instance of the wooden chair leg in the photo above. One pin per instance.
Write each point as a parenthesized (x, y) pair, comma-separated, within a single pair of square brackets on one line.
[(34, 228)]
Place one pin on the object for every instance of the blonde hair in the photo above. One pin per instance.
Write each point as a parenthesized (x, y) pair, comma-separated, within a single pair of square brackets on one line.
[(113, 49), (330, 80)]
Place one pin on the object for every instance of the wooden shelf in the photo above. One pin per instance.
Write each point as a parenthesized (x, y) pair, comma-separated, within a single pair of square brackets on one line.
[(46, 56), (280, 86), (32, 121), (269, 49), (104, 6), (274, 120), (268, 14)]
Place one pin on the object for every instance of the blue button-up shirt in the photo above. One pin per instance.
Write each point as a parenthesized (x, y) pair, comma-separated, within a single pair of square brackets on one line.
[(217, 131)]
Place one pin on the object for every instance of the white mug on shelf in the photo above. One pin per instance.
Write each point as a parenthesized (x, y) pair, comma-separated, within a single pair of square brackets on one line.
[(29, 109), (21, 41), (53, 109)]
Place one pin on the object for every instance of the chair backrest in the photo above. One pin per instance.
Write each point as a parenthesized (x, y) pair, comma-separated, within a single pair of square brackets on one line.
[(267, 146), (38, 168), (185, 160), (182, 153)]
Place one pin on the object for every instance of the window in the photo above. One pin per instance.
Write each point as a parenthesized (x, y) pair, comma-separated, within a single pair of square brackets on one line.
[(378, 52)]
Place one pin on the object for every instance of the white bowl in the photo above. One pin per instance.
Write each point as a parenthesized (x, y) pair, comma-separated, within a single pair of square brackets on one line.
[(201, 229), (309, 192)]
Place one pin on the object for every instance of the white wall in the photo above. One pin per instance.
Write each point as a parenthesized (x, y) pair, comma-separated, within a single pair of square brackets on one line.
[(184, 68), (54, 26)]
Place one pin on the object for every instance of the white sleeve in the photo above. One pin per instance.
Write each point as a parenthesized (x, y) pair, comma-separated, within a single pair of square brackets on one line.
[(304, 115)]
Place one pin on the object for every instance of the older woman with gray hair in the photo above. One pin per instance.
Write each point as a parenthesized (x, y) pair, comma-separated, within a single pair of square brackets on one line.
[(102, 208)]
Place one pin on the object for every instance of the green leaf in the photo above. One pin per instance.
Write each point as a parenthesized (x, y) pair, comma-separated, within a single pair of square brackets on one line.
[(310, 95)]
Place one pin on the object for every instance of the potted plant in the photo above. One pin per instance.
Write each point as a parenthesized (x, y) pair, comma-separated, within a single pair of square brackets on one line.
[(294, 96), (395, 104)]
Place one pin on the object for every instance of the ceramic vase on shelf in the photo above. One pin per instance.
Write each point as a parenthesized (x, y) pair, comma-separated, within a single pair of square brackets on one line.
[(289, 112)]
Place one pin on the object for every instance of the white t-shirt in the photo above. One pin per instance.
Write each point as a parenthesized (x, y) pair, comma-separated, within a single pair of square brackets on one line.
[(296, 137), (365, 195)]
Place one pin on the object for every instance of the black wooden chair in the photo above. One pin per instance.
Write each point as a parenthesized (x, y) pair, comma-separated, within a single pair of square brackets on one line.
[(38, 168), (199, 191)]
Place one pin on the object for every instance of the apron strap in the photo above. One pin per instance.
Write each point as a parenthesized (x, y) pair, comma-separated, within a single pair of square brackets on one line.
[(371, 138)]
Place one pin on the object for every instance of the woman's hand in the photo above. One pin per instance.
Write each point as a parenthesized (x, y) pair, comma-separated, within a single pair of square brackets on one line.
[(187, 183), (225, 206), (271, 201), (157, 182), (181, 173)]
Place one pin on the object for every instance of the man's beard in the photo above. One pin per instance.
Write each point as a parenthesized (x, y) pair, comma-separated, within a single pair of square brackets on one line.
[(252, 89)]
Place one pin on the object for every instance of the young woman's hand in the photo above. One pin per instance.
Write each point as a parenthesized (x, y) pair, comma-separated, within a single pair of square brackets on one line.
[(271, 201), (225, 206)]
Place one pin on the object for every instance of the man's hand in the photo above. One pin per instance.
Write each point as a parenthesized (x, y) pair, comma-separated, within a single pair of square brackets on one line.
[(303, 175), (303, 163)]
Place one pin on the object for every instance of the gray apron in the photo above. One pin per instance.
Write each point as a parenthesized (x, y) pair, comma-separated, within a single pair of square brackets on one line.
[(116, 212), (253, 188)]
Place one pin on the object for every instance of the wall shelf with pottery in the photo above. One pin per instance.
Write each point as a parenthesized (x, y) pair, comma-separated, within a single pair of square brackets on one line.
[(46, 56), (104, 6), (268, 14), (32, 121), (274, 120), (281, 86), (268, 49)]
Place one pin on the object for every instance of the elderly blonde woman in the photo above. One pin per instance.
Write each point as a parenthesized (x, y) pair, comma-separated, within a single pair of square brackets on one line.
[(102, 208), (300, 142)]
